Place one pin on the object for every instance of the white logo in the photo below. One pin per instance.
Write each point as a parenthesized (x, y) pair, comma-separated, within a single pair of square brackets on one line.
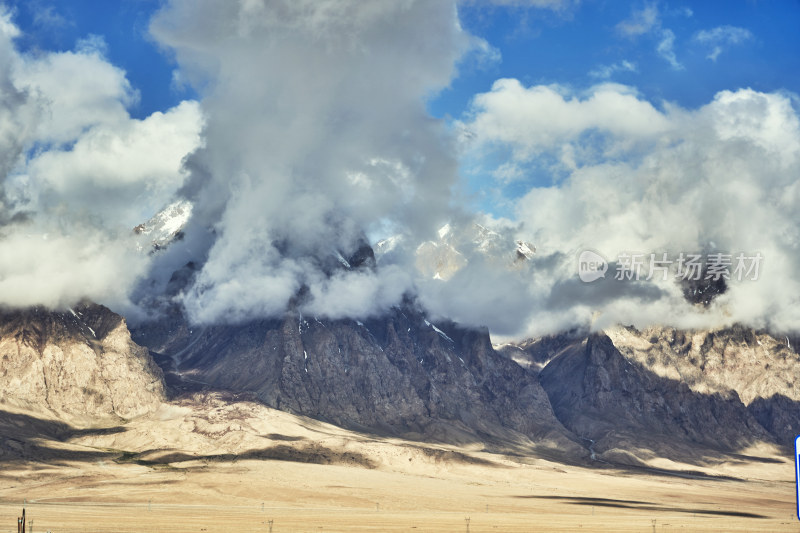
[(591, 266)]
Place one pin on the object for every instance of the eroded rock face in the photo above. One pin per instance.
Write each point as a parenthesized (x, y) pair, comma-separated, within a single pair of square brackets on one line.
[(596, 392), (720, 381), (753, 363), (779, 415), (399, 374), (80, 362), (762, 369)]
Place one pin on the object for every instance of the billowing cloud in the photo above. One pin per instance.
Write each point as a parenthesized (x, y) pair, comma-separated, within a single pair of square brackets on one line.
[(317, 136), (58, 268), (720, 37), (552, 129), (538, 118), (356, 294), (73, 103), (720, 178), (312, 137), (77, 173), (138, 159)]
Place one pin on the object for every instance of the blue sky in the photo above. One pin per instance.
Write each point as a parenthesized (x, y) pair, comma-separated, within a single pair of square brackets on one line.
[(542, 47), (123, 25)]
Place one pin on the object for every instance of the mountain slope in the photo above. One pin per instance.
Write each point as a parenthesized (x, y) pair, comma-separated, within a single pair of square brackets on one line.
[(399, 374), (80, 364), (753, 363), (622, 406)]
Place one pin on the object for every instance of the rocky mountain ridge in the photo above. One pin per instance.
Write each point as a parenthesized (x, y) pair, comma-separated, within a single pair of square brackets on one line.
[(78, 364), (398, 375), (724, 387), (623, 396)]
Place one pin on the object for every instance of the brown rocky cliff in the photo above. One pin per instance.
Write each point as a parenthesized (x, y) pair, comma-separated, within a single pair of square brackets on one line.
[(620, 404), (80, 363), (398, 374)]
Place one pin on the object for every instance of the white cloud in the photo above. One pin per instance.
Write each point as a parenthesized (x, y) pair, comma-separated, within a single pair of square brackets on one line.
[(317, 135), (648, 21), (18, 116), (606, 71), (720, 37), (358, 294), (483, 54), (8, 29), (540, 118), (135, 159), (724, 173), (77, 173), (76, 90), (666, 49), (641, 21), (45, 16), (55, 266)]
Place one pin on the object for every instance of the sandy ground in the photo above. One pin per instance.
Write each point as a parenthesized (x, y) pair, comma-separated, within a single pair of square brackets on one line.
[(308, 476)]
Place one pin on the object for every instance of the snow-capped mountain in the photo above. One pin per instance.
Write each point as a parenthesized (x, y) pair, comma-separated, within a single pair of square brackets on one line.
[(165, 226), (455, 247)]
